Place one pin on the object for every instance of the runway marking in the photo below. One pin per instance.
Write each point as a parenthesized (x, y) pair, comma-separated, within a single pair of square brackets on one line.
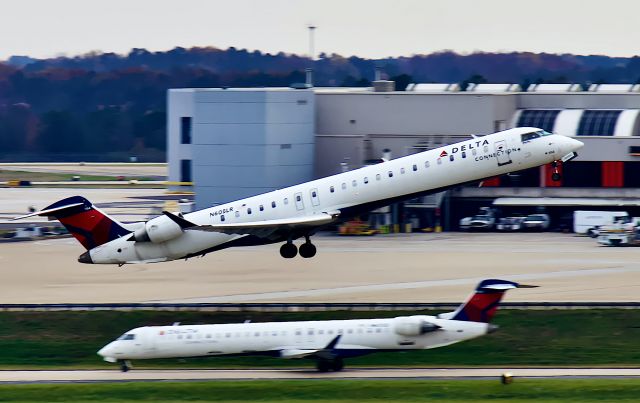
[(392, 286), (115, 375)]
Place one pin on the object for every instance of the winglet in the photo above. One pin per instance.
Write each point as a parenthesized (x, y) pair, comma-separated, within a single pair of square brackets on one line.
[(184, 224)]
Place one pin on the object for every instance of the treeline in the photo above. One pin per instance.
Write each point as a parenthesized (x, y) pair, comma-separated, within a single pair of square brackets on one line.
[(104, 102)]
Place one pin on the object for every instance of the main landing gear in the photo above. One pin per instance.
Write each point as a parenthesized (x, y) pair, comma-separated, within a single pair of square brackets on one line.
[(556, 176), (330, 365), (125, 365), (289, 250)]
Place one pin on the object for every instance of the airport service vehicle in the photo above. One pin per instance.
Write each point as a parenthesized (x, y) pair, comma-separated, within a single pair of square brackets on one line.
[(477, 222), (624, 231), (299, 211), (589, 222), (536, 222), (327, 342), (509, 224)]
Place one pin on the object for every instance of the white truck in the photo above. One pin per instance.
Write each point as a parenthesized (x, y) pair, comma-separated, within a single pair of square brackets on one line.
[(589, 222)]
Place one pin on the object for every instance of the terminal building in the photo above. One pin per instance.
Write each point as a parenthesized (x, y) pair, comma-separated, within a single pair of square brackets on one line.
[(234, 143)]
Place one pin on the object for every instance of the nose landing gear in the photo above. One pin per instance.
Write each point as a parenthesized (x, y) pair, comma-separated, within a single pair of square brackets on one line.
[(556, 176)]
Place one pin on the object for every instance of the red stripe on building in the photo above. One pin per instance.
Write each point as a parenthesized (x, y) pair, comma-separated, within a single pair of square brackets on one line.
[(612, 174)]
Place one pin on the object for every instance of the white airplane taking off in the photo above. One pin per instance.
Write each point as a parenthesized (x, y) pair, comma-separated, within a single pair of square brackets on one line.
[(299, 211), (327, 342)]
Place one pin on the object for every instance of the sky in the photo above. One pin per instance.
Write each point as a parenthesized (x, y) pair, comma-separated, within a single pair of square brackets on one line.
[(366, 28)]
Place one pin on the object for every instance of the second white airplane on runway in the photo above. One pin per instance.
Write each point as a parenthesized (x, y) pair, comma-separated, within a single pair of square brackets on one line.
[(327, 342), (285, 215)]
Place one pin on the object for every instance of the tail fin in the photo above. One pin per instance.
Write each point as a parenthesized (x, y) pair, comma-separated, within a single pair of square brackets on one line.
[(483, 303), (90, 226)]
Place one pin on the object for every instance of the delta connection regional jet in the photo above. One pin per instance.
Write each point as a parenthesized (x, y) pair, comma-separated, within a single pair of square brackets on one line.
[(327, 342), (298, 211)]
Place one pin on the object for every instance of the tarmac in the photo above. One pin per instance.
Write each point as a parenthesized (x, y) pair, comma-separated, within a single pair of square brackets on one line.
[(383, 268), (253, 374)]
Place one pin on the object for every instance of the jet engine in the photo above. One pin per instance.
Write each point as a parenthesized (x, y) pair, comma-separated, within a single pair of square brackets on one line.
[(157, 230), (413, 326)]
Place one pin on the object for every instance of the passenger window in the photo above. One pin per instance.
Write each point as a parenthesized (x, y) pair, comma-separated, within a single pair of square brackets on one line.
[(401, 171), (332, 189), (273, 204), (378, 177), (354, 183), (286, 200), (227, 335), (426, 164), (237, 214), (257, 334), (474, 152), (390, 174), (208, 336), (188, 336), (350, 331), (464, 154), (249, 210), (366, 180), (222, 217), (298, 198), (344, 185), (378, 330), (415, 167), (439, 161), (451, 157), (261, 207), (320, 331), (486, 149), (314, 194)]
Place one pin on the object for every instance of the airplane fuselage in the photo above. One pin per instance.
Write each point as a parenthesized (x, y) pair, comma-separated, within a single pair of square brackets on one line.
[(291, 339), (351, 193)]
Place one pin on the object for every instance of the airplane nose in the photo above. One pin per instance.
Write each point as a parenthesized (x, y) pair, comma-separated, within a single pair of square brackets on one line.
[(104, 351), (85, 258), (574, 144)]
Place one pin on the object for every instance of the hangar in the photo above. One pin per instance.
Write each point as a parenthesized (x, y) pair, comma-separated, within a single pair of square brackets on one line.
[(233, 143)]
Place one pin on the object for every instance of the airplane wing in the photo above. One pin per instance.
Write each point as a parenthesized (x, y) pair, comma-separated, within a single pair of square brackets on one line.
[(327, 352), (262, 229)]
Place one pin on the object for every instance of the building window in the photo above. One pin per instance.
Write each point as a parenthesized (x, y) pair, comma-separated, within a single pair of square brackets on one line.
[(390, 174), (545, 119), (185, 130), (332, 189), (366, 180), (185, 170), (415, 167), (598, 123)]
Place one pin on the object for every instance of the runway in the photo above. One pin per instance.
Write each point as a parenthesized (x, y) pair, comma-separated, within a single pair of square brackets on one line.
[(281, 374)]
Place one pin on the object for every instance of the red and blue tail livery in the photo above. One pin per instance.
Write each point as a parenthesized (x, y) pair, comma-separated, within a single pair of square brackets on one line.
[(90, 226), (483, 303)]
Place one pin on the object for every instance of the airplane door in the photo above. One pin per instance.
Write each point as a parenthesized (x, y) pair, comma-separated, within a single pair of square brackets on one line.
[(502, 154), (299, 201), (315, 200)]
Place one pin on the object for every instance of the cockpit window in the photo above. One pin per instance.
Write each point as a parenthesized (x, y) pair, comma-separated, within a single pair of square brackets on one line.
[(534, 135), (127, 336)]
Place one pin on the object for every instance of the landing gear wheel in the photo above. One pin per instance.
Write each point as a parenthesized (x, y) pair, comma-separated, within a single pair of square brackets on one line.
[(288, 250), (125, 366), (556, 177), (307, 250), (337, 365), (323, 366)]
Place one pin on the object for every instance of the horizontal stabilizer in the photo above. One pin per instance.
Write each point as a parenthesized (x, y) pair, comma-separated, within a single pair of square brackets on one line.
[(48, 212)]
